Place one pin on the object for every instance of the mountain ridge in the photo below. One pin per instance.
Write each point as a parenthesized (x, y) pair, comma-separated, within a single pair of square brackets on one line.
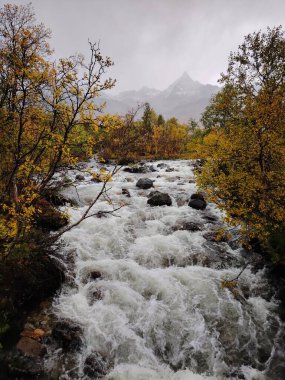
[(184, 99)]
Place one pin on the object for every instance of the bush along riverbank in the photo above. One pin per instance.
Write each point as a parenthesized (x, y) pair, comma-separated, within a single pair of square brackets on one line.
[(29, 276)]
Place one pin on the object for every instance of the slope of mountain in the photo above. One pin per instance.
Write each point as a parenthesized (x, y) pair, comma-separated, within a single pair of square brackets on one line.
[(183, 99)]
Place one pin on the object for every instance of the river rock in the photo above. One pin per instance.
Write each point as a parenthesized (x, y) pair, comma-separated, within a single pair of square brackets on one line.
[(152, 168), (30, 347), (136, 169), (169, 170), (198, 196), (95, 366), (144, 183), (160, 199), (24, 367), (126, 193), (68, 334), (80, 177), (162, 165), (188, 226), (197, 204)]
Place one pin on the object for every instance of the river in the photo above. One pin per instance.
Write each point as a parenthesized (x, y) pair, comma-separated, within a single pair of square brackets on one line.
[(145, 285)]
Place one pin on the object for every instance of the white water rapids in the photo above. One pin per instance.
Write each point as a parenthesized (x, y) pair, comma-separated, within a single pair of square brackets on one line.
[(158, 310)]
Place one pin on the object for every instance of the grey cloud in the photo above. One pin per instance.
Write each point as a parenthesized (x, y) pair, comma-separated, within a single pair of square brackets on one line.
[(153, 41)]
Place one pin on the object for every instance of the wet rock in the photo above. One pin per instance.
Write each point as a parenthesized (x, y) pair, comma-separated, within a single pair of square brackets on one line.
[(95, 366), (162, 165), (126, 193), (160, 199), (24, 367), (188, 226), (95, 295), (210, 218), (50, 218), (95, 275), (96, 179), (144, 183), (30, 347), (198, 196), (80, 177), (168, 170), (68, 334), (136, 169), (153, 193), (197, 204), (152, 168)]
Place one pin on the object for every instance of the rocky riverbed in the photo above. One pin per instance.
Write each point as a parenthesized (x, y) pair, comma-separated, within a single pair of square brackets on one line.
[(150, 290)]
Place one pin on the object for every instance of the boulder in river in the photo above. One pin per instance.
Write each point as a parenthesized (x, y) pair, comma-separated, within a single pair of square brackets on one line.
[(95, 366), (152, 168), (197, 201), (162, 165), (160, 199), (198, 196), (68, 334), (136, 169), (80, 177), (126, 192), (144, 183), (188, 226)]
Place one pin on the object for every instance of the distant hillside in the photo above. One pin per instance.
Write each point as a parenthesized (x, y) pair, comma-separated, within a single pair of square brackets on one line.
[(183, 99)]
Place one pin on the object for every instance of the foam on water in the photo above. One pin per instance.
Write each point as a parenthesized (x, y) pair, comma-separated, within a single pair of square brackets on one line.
[(152, 313)]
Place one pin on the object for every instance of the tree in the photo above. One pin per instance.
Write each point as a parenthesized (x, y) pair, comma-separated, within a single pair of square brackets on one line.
[(46, 108), (245, 170)]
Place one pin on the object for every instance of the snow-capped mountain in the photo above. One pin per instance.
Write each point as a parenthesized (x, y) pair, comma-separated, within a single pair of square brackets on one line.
[(183, 99)]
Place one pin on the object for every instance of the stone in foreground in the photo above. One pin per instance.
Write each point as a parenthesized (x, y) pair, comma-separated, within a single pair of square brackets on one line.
[(197, 204), (144, 183), (160, 199)]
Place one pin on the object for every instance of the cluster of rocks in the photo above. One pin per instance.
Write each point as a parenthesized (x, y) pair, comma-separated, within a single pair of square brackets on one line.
[(157, 198)]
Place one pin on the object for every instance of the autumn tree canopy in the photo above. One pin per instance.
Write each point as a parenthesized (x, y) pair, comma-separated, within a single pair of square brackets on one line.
[(46, 108), (245, 169)]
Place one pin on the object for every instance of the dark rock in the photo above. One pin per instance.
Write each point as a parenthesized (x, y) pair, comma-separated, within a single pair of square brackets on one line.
[(49, 218), (188, 226), (96, 179), (198, 196), (80, 177), (197, 204), (152, 168), (210, 218), (162, 165), (152, 193), (144, 183), (95, 275), (169, 170), (30, 347), (95, 366), (126, 192), (24, 367), (136, 169), (68, 334), (160, 199)]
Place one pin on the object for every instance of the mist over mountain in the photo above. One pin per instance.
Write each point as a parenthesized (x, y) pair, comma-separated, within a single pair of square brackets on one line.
[(184, 99)]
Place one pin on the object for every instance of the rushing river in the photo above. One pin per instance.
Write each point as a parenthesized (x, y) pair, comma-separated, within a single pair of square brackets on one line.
[(147, 291)]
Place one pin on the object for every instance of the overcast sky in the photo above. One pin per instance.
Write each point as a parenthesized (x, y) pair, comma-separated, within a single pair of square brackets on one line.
[(152, 42)]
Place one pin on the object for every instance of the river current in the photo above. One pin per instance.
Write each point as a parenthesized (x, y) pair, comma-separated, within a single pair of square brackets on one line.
[(146, 288)]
